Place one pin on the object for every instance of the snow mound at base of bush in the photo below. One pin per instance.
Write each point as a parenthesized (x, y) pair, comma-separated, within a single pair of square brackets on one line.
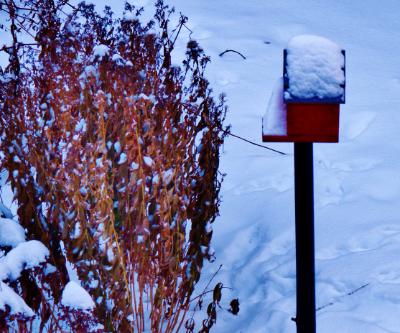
[(76, 297)]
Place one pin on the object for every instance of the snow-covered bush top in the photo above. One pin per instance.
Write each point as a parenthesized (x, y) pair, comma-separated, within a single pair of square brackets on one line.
[(314, 68)]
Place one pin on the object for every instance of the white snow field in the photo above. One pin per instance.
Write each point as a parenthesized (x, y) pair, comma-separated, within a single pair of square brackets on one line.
[(357, 181)]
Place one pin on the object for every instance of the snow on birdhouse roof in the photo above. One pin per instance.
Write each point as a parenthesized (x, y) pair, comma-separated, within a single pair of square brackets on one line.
[(314, 70)]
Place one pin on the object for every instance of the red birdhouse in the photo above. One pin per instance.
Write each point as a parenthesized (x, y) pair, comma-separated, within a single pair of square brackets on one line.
[(305, 105)]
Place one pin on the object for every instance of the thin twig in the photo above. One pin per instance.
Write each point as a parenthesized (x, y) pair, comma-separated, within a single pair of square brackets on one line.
[(207, 292), (4, 3), (190, 31), (5, 47), (357, 290), (254, 143), (226, 51), (206, 287), (20, 23), (212, 278), (339, 298), (182, 20)]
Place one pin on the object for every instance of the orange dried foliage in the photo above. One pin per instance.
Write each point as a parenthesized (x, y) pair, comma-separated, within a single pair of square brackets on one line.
[(114, 152)]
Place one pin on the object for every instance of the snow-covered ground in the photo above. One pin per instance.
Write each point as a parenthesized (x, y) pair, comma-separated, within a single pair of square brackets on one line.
[(357, 190)]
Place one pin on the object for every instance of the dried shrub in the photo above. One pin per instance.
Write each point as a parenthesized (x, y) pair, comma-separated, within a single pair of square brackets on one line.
[(113, 156)]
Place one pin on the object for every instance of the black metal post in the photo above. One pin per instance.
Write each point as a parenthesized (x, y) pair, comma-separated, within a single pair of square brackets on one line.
[(305, 257)]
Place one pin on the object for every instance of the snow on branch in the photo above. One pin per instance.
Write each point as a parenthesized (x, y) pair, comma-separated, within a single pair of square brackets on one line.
[(16, 305), (26, 255), (11, 233)]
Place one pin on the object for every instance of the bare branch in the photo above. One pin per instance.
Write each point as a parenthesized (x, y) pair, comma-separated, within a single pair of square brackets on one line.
[(343, 296), (234, 51), (254, 143)]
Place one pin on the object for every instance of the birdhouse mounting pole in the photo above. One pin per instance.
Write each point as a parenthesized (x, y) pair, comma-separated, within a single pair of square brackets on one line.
[(304, 108), (305, 257)]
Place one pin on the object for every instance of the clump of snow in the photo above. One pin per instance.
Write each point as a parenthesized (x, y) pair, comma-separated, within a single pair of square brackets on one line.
[(168, 176), (100, 50), (134, 166), (122, 158), (11, 233), (148, 161), (118, 59), (76, 297), (88, 71), (9, 298), (71, 269), (83, 190), (314, 68), (77, 231), (81, 126), (274, 121), (208, 228), (117, 147), (25, 256), (150, 98)]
